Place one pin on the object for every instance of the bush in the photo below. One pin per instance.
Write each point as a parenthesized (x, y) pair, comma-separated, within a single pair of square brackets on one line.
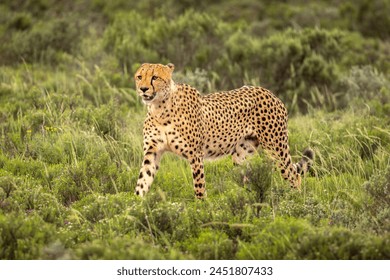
[(124, 248), (23, 237), (190, 41), (210, 245), (340, 244), (303, 67), (378, 201), (364, 84), (256, 175), (295, 239), (44, 42), (368, 17)]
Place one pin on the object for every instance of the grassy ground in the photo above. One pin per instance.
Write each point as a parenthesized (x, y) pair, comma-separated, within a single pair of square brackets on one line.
[(71, 150), (71, 125)]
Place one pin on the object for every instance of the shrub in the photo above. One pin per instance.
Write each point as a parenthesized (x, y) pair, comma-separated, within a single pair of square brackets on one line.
[(124, 248), (23, 236), (256, 175), (44, 42), (20, 21), (295, 239), (7, 184), (378, 201), (183, 41), (210, 245), (368, 17), (299, 65), (364, 84), (340, 244), (310, 209), (94, 208)]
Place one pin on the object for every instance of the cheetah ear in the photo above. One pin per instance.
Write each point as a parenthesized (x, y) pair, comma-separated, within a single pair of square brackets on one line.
[(171, 66)]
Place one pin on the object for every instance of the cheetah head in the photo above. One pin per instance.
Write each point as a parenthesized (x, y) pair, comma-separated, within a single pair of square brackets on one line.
[(154, 82)]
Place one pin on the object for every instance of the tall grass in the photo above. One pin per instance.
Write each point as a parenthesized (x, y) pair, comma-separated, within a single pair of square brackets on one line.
[(70, 162), (71, 133)]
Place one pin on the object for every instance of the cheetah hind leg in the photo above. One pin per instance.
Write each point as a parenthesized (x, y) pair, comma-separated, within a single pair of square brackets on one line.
[(244, 148), (304, 165), (293, 171)]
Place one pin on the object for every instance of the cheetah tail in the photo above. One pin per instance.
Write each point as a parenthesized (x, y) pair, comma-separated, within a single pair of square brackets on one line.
[(306, 162)]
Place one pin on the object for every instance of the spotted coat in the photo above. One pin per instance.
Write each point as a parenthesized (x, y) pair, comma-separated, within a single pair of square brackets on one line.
[(197, 127)]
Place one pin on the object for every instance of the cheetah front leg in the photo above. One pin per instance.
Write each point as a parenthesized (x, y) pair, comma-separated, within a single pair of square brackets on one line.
[(197, 168), (148, 170), (154, 147)]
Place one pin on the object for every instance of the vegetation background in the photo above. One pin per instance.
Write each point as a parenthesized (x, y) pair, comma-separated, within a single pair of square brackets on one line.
[(71, 129)]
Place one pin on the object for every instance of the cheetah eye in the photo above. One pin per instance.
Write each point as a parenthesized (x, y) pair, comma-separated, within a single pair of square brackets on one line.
[(154, 78), (139, 77)]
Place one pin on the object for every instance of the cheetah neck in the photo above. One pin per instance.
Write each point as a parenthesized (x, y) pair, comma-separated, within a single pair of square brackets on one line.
[(160, 110)]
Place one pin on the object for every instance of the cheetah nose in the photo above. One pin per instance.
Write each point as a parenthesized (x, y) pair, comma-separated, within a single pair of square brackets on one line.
[(144, 89)]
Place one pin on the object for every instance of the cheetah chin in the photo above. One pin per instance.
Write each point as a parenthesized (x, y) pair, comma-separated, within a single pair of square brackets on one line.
[(148, 98)]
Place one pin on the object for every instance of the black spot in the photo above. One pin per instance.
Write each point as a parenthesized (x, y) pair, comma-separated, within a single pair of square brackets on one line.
[(149, 173), (141, 175), (147, 161), (199, 194)]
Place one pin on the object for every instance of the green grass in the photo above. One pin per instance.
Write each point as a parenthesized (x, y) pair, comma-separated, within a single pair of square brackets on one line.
[(71, 131), (68, 176)]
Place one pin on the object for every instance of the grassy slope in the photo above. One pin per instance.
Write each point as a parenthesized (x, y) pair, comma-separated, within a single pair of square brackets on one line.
[(71, 148), (69, 165)]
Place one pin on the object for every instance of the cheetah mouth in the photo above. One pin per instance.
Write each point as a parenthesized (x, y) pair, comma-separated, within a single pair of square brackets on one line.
[(148, 98)]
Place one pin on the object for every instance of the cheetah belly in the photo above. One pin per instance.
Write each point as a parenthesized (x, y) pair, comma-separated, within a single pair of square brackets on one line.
[(223, 140)]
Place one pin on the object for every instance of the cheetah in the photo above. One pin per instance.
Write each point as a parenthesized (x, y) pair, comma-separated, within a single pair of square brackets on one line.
[(198, 127)]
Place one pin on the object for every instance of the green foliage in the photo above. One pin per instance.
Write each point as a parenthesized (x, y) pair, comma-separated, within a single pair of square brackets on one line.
[(365, 84), (183, 41), (45, 42), (120, 248), (71, 130), (257, 177), (23, 236), (297, 64), (378, 189), (294, 239), (210, 245), (368, 17)]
